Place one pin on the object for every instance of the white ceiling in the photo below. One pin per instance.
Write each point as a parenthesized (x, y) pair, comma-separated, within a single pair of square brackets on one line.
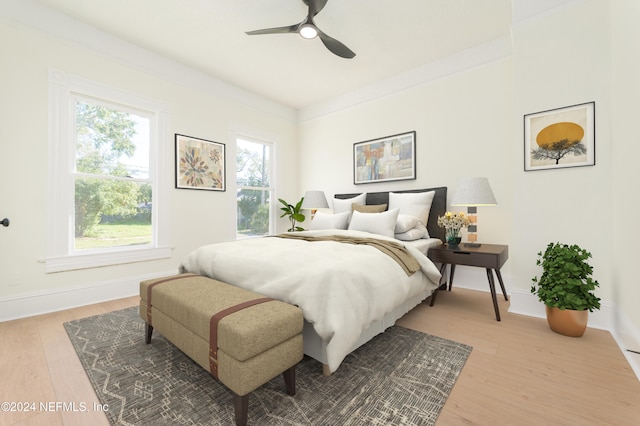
[(389, 37)]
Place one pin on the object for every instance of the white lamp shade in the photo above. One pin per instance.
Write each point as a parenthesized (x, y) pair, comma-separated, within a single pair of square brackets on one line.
[(474, 191), (315, 200)]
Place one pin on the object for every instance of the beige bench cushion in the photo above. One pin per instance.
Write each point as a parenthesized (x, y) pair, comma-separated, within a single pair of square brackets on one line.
[(191, 301)]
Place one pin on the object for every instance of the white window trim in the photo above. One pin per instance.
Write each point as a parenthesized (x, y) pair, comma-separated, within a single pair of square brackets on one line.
[(60, 256), (272, 178)]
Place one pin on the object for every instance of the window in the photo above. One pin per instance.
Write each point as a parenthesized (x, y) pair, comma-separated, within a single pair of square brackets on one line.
[(106, 205), (254, 188), (113, 191)]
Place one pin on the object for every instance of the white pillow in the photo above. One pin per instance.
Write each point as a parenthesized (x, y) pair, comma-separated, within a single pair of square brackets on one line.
[(323, 220), (377, 223), (410, 202), (420, 231), (340, 206), (405, 222), (418, 210)]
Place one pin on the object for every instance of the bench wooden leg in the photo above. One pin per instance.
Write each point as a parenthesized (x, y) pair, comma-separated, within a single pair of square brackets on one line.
[(290, 380), (326, 371), (241, 405), (148, 330)]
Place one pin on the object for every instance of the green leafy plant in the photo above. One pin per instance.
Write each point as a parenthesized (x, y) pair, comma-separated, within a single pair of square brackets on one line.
[(293, 212), (566, 281)]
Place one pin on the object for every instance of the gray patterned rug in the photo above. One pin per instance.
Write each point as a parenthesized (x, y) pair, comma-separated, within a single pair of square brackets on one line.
[(400, 377)]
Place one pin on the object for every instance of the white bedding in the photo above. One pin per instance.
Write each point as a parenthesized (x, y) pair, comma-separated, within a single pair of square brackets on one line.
[(424, 244), (341, 288)]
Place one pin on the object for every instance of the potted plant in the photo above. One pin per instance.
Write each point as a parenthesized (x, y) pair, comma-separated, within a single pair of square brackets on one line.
[(294, 213), (566, 288)]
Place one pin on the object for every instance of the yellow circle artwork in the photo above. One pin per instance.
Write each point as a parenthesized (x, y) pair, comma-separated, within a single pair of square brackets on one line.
[(559, 131)]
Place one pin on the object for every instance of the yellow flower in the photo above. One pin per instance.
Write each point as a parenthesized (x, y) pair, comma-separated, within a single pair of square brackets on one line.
[(453, 220)]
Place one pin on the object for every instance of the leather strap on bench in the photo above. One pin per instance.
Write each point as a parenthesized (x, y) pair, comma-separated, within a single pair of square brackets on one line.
[(176, 277), (213, 330)]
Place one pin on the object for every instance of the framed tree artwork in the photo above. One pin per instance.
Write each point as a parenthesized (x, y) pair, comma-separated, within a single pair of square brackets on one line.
[(558, 138), (200, 164)]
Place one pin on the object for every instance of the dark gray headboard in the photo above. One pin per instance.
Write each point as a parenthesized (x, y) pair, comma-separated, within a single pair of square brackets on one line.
[(438, 207)]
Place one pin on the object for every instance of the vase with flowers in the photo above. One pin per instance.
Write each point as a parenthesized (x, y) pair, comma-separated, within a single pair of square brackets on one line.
[(453, 222)]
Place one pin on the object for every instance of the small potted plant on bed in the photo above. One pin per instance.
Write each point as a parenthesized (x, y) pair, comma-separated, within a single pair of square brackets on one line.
[(453, 222), (294, 214), (566, 288)]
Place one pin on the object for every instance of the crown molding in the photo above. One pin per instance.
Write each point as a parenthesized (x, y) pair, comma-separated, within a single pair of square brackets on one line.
[(60, 26), (524, 10), (464, 60), (30, 14)]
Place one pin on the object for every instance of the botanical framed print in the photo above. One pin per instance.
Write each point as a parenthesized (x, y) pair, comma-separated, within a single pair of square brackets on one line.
[(558, 138), (200, 164), (385, 159)]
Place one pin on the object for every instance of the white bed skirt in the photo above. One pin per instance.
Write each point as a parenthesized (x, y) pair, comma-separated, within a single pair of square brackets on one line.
[(315, 347)]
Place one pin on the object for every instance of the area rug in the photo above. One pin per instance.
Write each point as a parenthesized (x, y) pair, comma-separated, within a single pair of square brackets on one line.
[(400, 377)]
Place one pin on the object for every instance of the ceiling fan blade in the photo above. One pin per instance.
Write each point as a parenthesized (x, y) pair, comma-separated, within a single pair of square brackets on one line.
[(277, 30), (335, 46), (315, 6)]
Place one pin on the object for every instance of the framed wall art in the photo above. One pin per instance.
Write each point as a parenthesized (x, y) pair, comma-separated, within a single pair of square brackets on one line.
[(558, 138), (385, 159), (200, 164)]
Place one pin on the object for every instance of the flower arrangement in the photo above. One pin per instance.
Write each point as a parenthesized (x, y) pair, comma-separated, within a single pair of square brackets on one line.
[(453, 222)]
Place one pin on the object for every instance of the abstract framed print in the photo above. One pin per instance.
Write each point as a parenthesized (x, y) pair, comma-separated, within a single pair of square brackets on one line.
[(200, 164), (385, 159)]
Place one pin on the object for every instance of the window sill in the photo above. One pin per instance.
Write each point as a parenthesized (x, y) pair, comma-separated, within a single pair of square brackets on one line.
[(96, 260)]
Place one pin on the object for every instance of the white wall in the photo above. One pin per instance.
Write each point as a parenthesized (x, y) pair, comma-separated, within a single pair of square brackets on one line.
[(625, 43), (586, 51), (471, 123), (199, 107), (463, 129), (468, 123), (563, 59)]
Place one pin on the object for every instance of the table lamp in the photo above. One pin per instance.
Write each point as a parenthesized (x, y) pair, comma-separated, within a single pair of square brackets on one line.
[(314, 200), (473, 192)]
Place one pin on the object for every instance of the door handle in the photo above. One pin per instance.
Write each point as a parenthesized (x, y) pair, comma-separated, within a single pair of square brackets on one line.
[(5, 222)]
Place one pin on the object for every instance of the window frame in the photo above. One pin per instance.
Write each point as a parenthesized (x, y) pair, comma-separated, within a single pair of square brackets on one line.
[(61, 255), (270, 188)]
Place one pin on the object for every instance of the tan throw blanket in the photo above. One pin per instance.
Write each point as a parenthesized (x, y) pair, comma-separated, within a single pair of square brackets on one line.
[(392, 249)]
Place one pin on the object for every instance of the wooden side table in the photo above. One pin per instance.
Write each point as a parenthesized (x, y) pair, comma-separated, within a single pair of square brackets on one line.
[(488, 256)]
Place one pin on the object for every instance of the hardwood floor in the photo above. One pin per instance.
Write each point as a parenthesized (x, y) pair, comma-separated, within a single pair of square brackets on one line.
[(519, 372), (522, 373)]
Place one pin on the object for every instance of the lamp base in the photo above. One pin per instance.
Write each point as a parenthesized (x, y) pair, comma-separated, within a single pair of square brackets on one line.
[(472, 245)]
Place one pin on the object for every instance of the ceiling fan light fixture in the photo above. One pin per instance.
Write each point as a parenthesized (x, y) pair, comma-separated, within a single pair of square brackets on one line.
[(308, 31)]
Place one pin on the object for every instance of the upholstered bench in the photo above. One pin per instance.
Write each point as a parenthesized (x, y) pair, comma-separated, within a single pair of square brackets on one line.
[(242, 338)]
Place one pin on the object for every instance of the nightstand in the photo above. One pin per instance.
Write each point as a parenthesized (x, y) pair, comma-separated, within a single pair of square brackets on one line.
[(488, 256)]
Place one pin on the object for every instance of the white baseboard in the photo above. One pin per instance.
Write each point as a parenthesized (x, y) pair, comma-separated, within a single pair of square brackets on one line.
[(42, 302), (628, 338), (525, 303)]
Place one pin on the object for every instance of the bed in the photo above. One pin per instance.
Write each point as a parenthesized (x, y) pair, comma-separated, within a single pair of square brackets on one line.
[(348, 292)]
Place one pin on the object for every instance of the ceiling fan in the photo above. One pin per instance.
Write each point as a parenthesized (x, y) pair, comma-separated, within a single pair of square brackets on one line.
[(308, 29)]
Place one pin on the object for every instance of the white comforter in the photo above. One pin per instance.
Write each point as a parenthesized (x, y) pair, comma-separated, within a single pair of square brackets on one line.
[(340, 287)]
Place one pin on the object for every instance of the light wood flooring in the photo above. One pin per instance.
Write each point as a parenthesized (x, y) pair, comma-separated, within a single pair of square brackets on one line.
[(519, 372)]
